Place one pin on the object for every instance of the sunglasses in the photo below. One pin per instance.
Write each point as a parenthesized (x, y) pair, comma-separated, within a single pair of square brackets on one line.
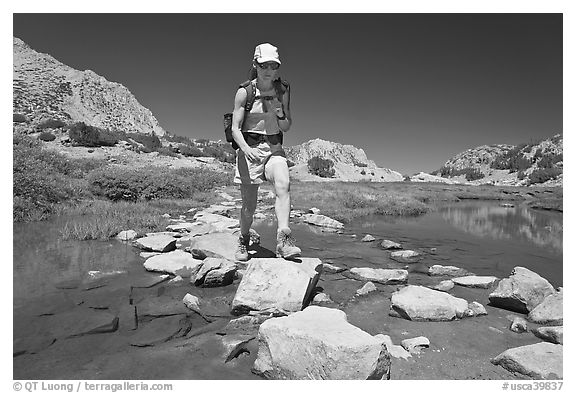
[(272, 65)]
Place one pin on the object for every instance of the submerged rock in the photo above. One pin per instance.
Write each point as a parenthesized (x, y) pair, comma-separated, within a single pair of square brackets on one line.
[(550, 311), (368, 238), (521, 292), (519, 325), (390, 245), (157, 331), (322, 221), (406, 256), (319, 343), (176, 262), (160, 243), (366, 289), (452, 271), (382, 276), (475, 281), (413, 345), (276, 283), (539, 361), (81, 322), (553, 334), (419, 303)]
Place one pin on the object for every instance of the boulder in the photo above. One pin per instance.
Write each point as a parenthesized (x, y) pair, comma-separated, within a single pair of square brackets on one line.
[(319, 343), (160, 243), (127, 235), (219, 223), (176, 262), (321, 298), (276, 283), (382, 276), (475, 281), (329, 268), (314, 210), (406, 256), (366, 289), (475, 309), (192, 302), (538, 361), (396, 351), (390, 245), (553, 334), (549, 312), (443, 286), (322, 221), (234, 345), (419, 303), (521, 292), (413, 345), (519, 325), (368, 238), (215, 272), (217, 245), (452, 271)]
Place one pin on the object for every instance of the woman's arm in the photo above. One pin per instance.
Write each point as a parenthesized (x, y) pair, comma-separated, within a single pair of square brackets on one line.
[(286, 123), (237, 119)]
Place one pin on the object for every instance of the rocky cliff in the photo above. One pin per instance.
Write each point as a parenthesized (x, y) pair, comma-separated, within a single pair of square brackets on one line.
[(45, 89), (536, 163), (350, 163)]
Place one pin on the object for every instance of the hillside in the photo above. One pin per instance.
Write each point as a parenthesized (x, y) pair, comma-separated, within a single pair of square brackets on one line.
[(537, 163), (45, 89)]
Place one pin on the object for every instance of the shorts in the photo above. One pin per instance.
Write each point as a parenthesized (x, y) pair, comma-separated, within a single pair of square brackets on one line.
[(248, 172)]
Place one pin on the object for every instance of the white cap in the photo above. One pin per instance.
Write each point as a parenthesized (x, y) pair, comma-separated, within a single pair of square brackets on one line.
[(266, 52)]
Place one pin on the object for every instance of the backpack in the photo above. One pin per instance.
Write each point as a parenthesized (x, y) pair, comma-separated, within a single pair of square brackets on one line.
[(279, 85)]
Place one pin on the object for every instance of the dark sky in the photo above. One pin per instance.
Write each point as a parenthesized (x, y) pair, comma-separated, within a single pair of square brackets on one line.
[(412, 90)]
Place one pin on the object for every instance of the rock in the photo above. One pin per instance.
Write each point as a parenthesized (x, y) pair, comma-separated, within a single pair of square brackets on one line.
[(176, 280), (475, 309), (160, 306), (259, 216), (234, 345), (127, 318), (218, 209), (215, 272), (538, 361), (553, 334), (321, 298), (549, 312), (444, 286), (81, 322), (157, 331), (314, 210), (176, 262), (161, 243), (322, 221), (396, 351), (165, 233), (329, 268), (165, 215), (192, 302), (418, 303), (475, 281), (406, 256), (452, 271), (521, 292), (390, 245), (33, 344), (218, 222), (275, 282), (319, 343), (127, 235), (413, 345), (368, 238), (507, 205), (228, 203), (366, 289), (148, 280), (184, 226), (147, 254), (217, 245), (382, 276), (519, 325)]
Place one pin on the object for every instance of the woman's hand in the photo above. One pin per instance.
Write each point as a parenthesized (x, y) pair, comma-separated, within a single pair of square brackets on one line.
[(251, 154), (275, 106)]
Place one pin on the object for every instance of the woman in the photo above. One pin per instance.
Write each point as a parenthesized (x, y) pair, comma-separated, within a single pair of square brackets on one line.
[(257, 130)]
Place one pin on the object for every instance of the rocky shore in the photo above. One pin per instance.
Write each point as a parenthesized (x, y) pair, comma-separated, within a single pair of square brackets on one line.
[(301, 319)]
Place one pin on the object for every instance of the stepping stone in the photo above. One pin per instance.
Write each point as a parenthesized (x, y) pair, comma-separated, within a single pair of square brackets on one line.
[(215, 272), (329, 268), (177, 262), (538, 361), (553, 334), (366, 289), (475, 281), (390, 245), (276, 283), (160, 243), (452, 271), (322, 221), (217, 245), (550, 311), (521, 292), (419, 303), (368, 238), (382, 276), (319, 343), (443, 286), (406, 256)]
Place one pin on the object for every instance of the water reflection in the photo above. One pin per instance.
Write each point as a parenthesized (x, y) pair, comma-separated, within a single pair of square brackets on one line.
[(543, 229)]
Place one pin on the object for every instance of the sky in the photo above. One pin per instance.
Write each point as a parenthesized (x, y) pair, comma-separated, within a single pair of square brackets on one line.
[(412, 90)]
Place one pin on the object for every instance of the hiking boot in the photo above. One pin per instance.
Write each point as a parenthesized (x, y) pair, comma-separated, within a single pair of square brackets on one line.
[(242, 249), (286, 246)]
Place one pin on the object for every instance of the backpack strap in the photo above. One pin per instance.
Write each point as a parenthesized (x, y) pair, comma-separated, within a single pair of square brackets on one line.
[(250, 87), (281, 87)]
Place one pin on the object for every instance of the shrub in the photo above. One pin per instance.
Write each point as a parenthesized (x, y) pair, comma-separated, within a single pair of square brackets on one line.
[(203, 142), (46, 136), (361, 164), (19, 118), (542, 175), (167, 151), (89, 136), (178, 139), (362, 172), (219, 153), (51, 123), (513, 160), (190, 151), (473, 174), (470, 173), (321, 167), (549, 160), (521, 175), (150, 142)]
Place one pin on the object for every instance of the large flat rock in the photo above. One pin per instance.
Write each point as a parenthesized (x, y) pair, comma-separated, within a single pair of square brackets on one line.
[(159, 243), (382, 276), (322, 221), (270, 283), (553, 334), (419, 303), (538, 361), (80, 322), (521, 292), (217, 245), (319, 343), (452, 271), (475, 281), (550, 311), (178, 262)]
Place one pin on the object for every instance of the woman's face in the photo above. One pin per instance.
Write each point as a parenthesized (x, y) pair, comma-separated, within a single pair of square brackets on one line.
[(268, 70)]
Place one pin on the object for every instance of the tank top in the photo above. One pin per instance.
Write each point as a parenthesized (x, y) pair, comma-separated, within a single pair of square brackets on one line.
[(258, 121)]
